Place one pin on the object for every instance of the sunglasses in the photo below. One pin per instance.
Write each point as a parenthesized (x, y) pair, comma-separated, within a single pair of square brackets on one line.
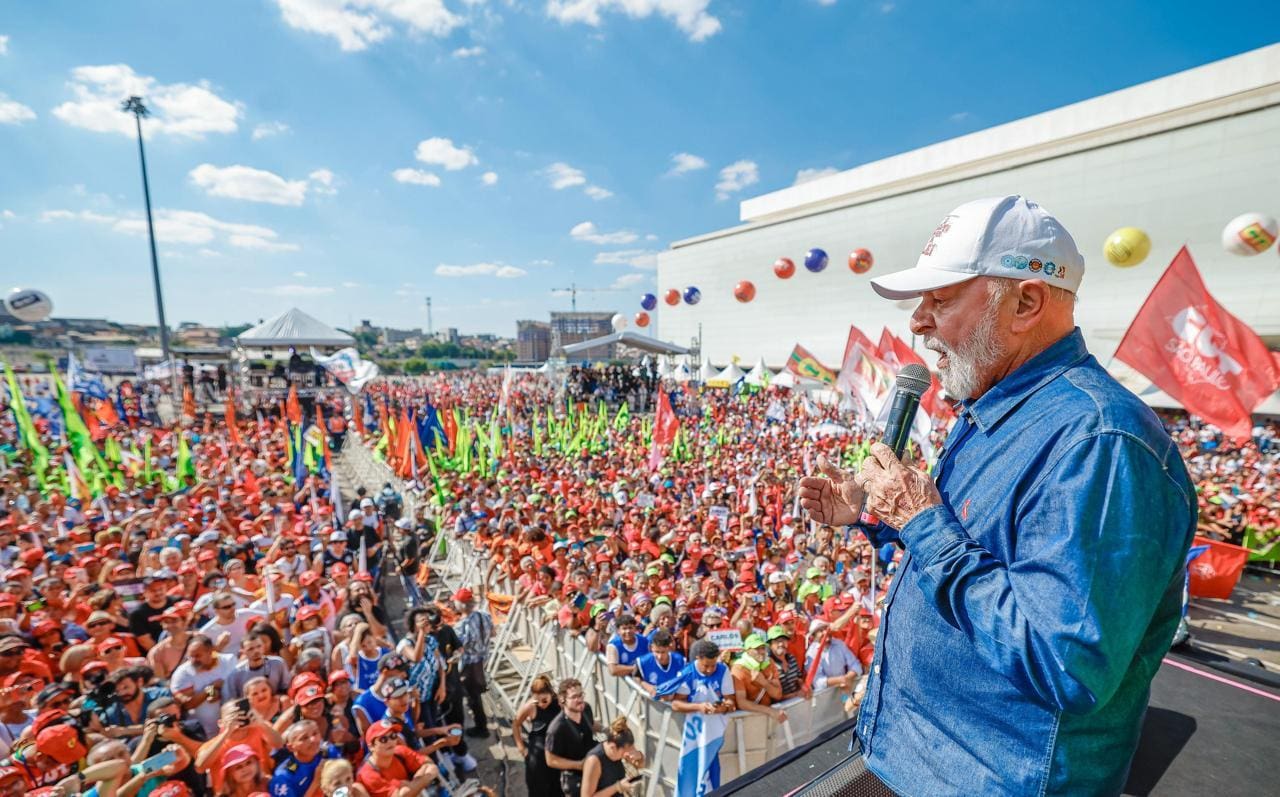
[(110, 651), (390, 737), (225, 606)]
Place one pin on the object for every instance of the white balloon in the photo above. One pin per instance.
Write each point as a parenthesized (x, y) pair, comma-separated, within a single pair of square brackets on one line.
[(619, 322), (28, 304), (1249, 234)]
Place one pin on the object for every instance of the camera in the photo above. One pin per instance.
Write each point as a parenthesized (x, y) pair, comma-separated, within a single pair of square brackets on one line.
[(166, 721)]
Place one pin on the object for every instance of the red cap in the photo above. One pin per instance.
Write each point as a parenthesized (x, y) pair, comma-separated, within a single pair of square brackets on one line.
[(61, 743), (171, 788), (308, 578), (379, 729), (309, 694), (307, 612), (90, 666), (302, 680), (339, 568), (45, 627), (338, 676), (109, 643), (464, 595)]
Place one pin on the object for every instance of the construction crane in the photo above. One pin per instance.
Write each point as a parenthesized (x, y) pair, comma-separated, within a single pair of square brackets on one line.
[(573, 290)]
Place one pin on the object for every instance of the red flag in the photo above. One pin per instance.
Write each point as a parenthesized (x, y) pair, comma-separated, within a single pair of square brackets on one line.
[(233, 427), (665, 426), (1190, 347), (1214, 573), (292, 409), (855, 338)]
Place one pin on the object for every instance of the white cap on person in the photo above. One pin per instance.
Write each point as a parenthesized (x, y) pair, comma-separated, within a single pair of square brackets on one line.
[(1007, 236)]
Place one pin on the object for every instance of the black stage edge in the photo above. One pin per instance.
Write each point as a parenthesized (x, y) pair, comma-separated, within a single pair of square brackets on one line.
[(1200, 737)]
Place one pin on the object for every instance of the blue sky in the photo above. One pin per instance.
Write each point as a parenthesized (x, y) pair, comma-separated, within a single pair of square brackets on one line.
[(351, 157)]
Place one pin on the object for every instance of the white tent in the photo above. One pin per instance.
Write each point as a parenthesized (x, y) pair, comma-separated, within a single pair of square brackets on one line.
[(728, 377), (759, 374), (293, 328), (707, 372), (682, 373)]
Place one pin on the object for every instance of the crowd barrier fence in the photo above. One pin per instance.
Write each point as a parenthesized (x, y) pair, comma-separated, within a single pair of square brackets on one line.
[(528, 642)]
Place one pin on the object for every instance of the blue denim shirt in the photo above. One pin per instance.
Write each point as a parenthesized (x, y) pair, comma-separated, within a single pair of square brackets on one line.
[(1033, 606)]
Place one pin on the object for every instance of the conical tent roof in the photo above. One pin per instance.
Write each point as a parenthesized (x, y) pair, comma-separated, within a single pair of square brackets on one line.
[(293, 328), (759, 374), (682, 374), (707, 372), (731, 374)]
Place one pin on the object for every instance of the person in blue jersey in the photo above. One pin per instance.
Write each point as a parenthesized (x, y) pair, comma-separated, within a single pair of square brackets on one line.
[(295, 774), (661, 664), (704, 686), (371, 706), (625, 648)]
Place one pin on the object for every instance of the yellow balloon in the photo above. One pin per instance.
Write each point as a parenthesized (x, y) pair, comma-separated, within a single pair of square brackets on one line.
[(1127, 246)]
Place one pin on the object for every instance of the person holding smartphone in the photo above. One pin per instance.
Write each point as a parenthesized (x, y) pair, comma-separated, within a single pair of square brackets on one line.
[(603, 773), (237, 730)]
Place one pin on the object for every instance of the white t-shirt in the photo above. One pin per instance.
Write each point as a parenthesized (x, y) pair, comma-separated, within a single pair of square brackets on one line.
[(188, 678), (238, 629)]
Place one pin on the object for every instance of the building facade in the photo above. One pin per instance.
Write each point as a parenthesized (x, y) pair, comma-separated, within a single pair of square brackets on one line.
[(1177, 157), (533, 341), (569, 328)]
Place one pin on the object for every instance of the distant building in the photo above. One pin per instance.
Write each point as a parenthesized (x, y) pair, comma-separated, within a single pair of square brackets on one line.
[(569, 328), (448, 335), (533, 341), (391, 336)]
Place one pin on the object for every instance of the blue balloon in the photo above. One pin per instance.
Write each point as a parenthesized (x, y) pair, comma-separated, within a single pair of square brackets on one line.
[(648, 301), (815, 260), (692, 295)]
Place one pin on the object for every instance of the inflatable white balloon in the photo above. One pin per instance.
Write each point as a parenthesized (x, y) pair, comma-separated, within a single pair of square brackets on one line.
[(619, 322), (28, 304), (1249, 234)]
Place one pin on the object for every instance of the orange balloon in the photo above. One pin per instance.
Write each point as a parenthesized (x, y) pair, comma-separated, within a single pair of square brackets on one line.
[(642, 319), (784, 267), (860, 261), (672, 297), (744, 291)]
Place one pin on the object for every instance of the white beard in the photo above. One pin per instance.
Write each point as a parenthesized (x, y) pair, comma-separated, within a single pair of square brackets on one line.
[(962, 375)]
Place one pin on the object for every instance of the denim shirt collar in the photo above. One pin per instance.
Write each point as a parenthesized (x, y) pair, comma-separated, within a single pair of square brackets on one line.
[(1005, 395)]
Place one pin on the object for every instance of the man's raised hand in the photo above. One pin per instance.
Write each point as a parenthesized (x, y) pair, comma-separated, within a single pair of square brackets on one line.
[(831, 498)]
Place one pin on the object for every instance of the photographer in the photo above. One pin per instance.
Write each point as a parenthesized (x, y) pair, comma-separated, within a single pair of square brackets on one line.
[(237, 729), (124, 714)]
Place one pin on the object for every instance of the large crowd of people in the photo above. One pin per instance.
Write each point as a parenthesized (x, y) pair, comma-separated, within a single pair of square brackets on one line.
[(204, 616)]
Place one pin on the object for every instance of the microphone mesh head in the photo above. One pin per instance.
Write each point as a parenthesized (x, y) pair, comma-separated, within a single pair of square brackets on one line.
[(914, 379)]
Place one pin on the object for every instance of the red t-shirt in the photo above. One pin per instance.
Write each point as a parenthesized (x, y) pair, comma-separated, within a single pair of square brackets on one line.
[(383, 783)]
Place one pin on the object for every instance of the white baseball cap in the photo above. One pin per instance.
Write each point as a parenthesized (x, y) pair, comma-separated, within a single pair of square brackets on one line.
[(999, 237)]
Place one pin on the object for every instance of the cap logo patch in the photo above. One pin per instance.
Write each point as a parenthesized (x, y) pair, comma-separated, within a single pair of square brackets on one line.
[(938, 232), (1034, 264)]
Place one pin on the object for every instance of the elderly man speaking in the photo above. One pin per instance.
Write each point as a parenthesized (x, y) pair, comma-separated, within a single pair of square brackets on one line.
[(1042, 578)]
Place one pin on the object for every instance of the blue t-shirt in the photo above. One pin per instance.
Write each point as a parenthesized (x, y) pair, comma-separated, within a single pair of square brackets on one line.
[(371, 706), (630, 656), (292, 777), (653, 673), (367, 669)]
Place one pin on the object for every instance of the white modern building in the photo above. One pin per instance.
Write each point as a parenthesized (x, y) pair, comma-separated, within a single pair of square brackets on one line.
[(1178, 157)]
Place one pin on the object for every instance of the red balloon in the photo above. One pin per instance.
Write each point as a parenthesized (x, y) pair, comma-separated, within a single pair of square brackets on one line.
[(672, 297), (744, 291), (784, 267), (642, 319), (860, 261)]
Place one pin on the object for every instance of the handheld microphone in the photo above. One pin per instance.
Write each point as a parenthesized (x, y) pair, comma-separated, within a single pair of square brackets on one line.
[(912, 383)]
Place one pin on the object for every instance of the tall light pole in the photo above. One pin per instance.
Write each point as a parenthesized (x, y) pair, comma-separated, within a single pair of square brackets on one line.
[(134, 106)]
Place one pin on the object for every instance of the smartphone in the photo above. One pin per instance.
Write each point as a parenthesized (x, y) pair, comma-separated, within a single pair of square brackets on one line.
[(35, 605), (86, 548), (159, 761), (455, 731)]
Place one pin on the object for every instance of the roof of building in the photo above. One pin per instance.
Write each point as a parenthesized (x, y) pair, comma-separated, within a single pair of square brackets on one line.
[(293, 328), (628, 338)]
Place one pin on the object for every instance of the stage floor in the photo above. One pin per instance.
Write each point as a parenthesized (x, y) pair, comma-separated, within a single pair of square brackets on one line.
[(1206, 733)]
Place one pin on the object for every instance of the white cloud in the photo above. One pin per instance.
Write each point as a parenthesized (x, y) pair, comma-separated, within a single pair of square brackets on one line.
[(4, 45), (323, 182), (489, 178), (300, 274), (183, 227), (8, 214), (351, 285), (587, 232), (636, 258), (959, 116), (690, 16), (542, 262), (249, 184), (13, 112), (805, 175), (563, 176), (293, 290), (625, 281), (269, 129), (416, 177), (468, 52), (208, 253), (684, 162), (442, 152), (356, 24), (480, 270), (735, 177), (178, 109)]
